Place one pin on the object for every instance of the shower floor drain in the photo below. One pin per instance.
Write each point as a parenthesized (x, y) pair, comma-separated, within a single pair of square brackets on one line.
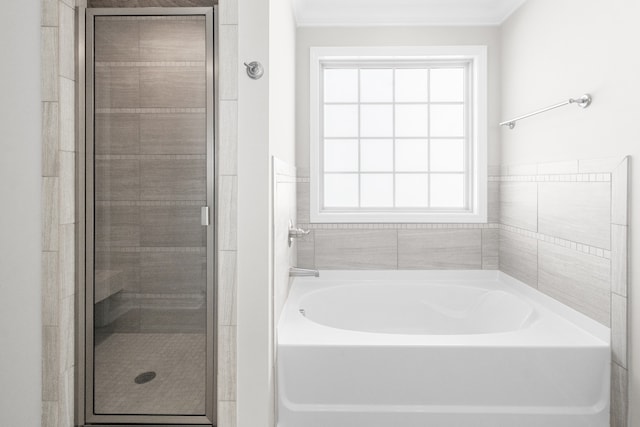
[(145, 377)]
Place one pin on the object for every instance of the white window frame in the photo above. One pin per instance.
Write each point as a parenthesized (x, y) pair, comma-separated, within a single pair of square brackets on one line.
[(477, 209)]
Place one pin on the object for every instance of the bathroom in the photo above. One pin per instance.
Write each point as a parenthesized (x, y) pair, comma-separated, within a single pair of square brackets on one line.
[(558, 188)]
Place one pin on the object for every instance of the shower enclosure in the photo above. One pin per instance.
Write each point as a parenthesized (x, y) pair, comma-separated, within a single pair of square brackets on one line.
[(149, 269)]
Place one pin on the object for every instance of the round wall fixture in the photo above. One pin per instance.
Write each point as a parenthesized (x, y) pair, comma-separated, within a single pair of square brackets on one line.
[(255, 70)]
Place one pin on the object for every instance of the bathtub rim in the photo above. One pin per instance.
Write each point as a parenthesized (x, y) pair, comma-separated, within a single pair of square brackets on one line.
[(528, 315), (290, 326)]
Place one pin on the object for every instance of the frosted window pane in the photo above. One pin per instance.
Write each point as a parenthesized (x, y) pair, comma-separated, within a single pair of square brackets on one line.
[(376, 85), (340, 120), (340, 85), (411, 190), (376, 120), (376, 155), (341, 155), (412, 85), (341, 190), (447, 155), (447, 85), (447, 191), (412, 120), (412, 155), (447, 120), (376, 190)]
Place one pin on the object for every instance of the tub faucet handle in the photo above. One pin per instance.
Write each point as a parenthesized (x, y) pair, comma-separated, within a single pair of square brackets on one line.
[(295, 232)]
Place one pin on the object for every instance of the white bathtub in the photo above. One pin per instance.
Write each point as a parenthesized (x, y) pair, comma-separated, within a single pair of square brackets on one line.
[(438, 348)]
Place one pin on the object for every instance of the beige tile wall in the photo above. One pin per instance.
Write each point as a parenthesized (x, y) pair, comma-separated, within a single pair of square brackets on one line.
[(151, 173), (227, 195), (59, 218), (398, 246)]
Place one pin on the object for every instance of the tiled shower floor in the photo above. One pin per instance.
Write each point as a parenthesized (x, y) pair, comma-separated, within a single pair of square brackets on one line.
[(177, 359)]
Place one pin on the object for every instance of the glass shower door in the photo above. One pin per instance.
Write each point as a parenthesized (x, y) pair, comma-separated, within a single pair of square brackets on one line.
[(150, 320)]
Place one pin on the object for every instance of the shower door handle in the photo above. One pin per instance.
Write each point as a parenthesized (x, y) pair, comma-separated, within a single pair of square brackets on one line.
[(204, 216)]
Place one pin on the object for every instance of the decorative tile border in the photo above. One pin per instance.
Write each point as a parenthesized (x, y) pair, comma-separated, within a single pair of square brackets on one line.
[(579, 177), (592, 250), (398, 226)]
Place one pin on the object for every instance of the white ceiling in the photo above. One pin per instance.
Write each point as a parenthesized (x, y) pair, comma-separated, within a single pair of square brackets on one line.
[(403, 12)]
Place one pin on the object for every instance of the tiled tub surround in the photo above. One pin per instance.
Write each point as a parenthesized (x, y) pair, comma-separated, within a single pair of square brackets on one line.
[(284, 211), (558, 227), (398, 246), (564, 231)]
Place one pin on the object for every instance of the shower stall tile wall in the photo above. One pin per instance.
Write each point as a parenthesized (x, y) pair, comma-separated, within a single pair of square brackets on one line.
[(150, 185), (227, 196), (59, 228)]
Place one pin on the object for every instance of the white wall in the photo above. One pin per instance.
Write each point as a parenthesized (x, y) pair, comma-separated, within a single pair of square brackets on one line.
[(266, 124), (282, 57), (253, 218), (282, 125), (20, 320), (553, 50), (393, 36)]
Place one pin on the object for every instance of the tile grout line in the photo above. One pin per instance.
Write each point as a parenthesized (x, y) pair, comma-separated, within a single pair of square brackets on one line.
[(481, 250), (397, 249)]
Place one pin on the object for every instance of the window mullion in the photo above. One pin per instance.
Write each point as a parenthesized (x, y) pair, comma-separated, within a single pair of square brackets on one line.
[(359, 146), (429, 138), (393, 135)]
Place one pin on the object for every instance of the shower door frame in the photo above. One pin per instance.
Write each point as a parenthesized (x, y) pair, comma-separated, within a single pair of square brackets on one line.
[(86, 371)]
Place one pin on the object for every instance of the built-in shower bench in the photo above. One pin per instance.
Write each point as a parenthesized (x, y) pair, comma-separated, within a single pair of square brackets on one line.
[(107, 283)]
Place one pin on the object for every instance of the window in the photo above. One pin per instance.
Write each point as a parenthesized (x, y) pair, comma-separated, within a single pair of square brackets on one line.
[(398, 134)]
